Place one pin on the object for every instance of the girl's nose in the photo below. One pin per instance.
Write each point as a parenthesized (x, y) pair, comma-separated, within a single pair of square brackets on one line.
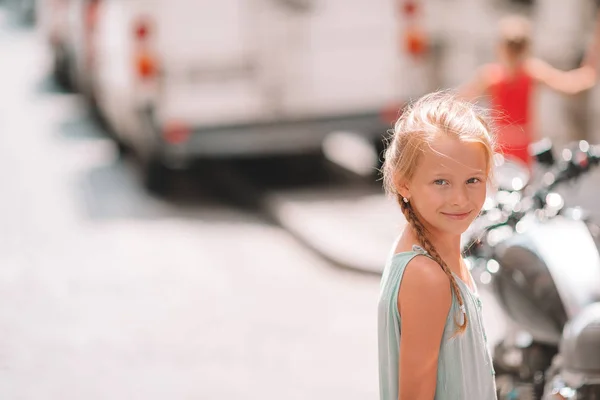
[(460, 196)]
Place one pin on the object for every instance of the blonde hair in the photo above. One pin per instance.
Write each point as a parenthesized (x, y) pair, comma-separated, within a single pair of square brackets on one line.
[(421, 123), (515, 34)]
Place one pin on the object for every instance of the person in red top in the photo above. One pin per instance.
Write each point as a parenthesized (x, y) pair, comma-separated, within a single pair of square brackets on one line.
[(510, 84)]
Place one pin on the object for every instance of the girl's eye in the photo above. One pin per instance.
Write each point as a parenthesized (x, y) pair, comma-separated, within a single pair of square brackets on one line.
[(474, 180), (440, 182)]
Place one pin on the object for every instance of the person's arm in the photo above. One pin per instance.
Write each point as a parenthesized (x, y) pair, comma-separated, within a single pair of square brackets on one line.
[(423, 302), (477, 86), (567, 82)]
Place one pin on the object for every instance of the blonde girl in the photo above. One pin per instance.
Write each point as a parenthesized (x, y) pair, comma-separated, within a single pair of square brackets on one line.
[(432, 343)]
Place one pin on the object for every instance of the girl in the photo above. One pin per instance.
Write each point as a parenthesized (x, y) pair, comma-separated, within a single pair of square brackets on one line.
[(510, 84), (432, 343)]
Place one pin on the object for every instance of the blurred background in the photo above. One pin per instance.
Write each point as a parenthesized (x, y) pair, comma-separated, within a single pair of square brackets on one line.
[(190, 199)]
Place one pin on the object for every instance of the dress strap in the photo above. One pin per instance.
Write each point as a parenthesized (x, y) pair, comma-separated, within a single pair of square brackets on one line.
[(418, 249)]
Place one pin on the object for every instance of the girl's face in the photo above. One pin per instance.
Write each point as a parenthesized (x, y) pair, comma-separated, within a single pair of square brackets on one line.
[(509, 57), (449, 186)]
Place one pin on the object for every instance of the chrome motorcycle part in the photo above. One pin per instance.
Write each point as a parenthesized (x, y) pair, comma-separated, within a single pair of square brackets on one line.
[(535, 284), (580, 347)]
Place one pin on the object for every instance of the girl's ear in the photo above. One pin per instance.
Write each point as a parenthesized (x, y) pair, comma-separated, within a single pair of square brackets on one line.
[(401, 185)]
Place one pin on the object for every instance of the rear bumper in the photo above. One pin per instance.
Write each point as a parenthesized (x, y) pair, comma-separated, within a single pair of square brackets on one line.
[(269, 139)]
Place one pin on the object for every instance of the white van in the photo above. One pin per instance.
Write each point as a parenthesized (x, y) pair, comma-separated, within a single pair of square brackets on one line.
[(183, 79)]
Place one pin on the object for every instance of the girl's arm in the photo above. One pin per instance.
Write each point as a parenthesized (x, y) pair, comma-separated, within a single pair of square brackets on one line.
[(478, 85), (423, 302), (567, 82)]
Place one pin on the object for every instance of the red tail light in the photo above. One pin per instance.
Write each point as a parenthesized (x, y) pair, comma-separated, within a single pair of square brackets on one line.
[(142, 29), (391, 113), (146, 65), (92, 14), (409, 8), (91, 19), (176, 132)]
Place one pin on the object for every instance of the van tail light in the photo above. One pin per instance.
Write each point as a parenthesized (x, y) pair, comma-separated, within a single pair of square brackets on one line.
[(412, 39), (146, 66), (175, 132), (391, 113), (142, 29), (91, 14), (409, 8), (146, 63), (56, 14), (91, 19)]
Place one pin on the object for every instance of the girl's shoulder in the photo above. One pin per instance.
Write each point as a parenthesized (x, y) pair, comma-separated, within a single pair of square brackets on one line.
[(424, 297), (496, 74), (423, 273), (415, 269), (493, 73)]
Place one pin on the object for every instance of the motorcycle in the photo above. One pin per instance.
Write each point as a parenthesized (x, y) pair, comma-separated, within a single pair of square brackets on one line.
[(541, 261)]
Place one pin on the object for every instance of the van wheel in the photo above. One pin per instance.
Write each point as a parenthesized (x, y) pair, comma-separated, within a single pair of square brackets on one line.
[(60, 69), (157, 177), (123, 150)]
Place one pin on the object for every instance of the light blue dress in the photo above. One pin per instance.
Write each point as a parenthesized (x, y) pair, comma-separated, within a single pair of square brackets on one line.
[(465, 370)]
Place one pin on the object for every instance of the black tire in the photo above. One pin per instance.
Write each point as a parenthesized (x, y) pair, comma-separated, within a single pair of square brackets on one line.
[(100, 119), (157, 177), (60, 70), (123, 150)]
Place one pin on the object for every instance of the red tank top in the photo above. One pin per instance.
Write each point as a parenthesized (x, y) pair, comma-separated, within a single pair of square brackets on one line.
[(510, 96)]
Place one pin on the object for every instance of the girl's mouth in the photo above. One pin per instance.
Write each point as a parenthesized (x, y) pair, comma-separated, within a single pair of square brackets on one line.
[(457, 216)]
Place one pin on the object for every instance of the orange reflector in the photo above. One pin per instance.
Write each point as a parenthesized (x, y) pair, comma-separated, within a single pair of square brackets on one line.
[(415, 42), (146, 65), (176, 132)]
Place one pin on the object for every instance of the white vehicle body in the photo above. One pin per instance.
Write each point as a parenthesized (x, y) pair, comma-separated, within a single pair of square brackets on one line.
[(243, 78), (67, 27)]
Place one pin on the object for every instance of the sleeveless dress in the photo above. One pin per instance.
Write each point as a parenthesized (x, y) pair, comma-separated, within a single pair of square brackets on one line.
[(465, 370), (510, 98)]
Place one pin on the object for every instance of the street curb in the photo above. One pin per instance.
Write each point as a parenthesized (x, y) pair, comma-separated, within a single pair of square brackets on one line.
[(337, 261), (272, 206)]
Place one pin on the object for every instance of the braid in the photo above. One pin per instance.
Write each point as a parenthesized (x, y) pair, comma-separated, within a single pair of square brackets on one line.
[(421, 232)]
